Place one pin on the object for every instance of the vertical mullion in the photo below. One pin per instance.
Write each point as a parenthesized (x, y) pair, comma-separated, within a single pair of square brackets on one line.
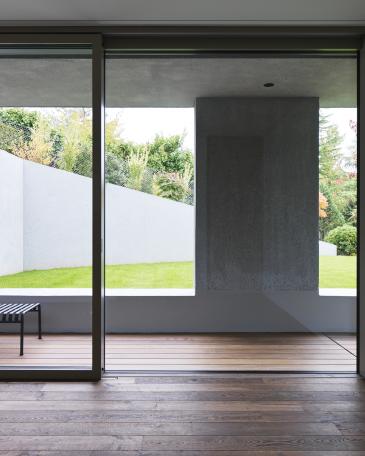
[(361, 214), (98, 208)]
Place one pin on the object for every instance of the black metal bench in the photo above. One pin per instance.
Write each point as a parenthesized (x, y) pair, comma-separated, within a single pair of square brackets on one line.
[(14, 313)]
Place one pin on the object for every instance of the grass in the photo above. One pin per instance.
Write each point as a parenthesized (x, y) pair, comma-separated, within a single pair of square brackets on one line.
[(142, 275), (335, 272)]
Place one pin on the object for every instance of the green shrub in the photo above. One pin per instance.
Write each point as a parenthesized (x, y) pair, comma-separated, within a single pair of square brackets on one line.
[(175, 186), (345, 238), (137, 165), (168, 185)]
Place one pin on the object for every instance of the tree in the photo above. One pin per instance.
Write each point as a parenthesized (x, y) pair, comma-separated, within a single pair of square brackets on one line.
[(115, 168), (57, 141), (323, 205), (136, 165), (76, 129), (23, 121), (330, 155), (175, 186), (334, 216), (16, 128), (337, 177), (167, 155)]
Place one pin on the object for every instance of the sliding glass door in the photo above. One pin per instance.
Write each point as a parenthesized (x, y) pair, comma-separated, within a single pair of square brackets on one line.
[(270, 142), (50, 187), (231, 206)]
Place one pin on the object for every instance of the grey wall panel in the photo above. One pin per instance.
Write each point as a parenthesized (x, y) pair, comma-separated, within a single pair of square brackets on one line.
[(213, 311), (288, 186), (235, 213)]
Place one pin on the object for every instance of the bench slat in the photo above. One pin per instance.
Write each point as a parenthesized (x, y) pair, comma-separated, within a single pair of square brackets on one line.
[(17, 308), (26, 308)]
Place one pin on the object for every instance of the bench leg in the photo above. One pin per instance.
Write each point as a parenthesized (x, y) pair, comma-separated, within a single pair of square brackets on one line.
[(21, 334), (39, 323)]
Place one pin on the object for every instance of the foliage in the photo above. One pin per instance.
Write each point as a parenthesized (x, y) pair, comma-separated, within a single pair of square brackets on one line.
[(62, 138), (166, 154), (337, 175), (137, 164), (57, 142), (75, 127), (344, 237), (168, 185), (115, 168), (37, 148), (175, 186), (329, 151), (323, 204), (23, 122), (334, 216)]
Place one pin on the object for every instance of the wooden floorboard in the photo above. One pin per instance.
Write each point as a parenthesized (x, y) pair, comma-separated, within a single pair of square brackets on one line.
[(193, 352), (186, 415)]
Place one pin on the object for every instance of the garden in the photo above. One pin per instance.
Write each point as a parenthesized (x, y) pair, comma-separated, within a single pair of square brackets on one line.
[(334, 272), (61, 138)]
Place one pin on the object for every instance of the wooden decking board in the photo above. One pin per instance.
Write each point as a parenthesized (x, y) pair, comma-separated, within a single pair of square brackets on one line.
[(195, 352)]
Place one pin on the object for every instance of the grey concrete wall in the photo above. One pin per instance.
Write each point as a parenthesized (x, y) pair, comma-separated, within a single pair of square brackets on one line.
[(47, 221), (257, 193), (11, 214), (208, 312)]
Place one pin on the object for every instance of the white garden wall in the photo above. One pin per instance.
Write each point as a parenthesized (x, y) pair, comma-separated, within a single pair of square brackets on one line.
[(46, 221), (327, 249), (11, 214)]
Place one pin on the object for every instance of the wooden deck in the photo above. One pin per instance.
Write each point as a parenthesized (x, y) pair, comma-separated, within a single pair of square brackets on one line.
[(186, 415), (200, 352)]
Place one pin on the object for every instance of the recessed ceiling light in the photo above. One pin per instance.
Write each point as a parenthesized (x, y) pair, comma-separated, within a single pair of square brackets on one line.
[(269, 84)]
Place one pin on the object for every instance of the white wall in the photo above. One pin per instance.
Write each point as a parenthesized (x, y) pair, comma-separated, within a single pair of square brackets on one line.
[(327, 249), (57, 218), (51, 210), (11, 214), (145, 228)]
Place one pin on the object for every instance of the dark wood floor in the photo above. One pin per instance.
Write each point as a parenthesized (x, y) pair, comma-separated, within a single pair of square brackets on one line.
[(189, 352), (185, 415)]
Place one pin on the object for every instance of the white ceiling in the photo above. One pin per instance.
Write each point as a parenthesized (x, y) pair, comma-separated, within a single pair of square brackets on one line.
[(185, 11), (175, 82)]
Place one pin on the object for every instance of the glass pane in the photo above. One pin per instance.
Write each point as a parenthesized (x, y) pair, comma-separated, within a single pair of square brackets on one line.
[(275, 228), (46, 204)]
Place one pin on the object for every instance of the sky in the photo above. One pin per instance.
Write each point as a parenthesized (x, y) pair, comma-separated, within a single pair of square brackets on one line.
[(142, 124), (342, 117)]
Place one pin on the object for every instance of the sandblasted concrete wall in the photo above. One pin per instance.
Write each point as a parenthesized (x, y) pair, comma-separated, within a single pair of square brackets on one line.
[(257, 193)]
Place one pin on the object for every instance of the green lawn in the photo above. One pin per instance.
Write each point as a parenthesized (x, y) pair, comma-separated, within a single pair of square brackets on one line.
[(335, 272), (148, 275)]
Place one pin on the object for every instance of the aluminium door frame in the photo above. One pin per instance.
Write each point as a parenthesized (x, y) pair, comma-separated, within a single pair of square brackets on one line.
[(94, 42)]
